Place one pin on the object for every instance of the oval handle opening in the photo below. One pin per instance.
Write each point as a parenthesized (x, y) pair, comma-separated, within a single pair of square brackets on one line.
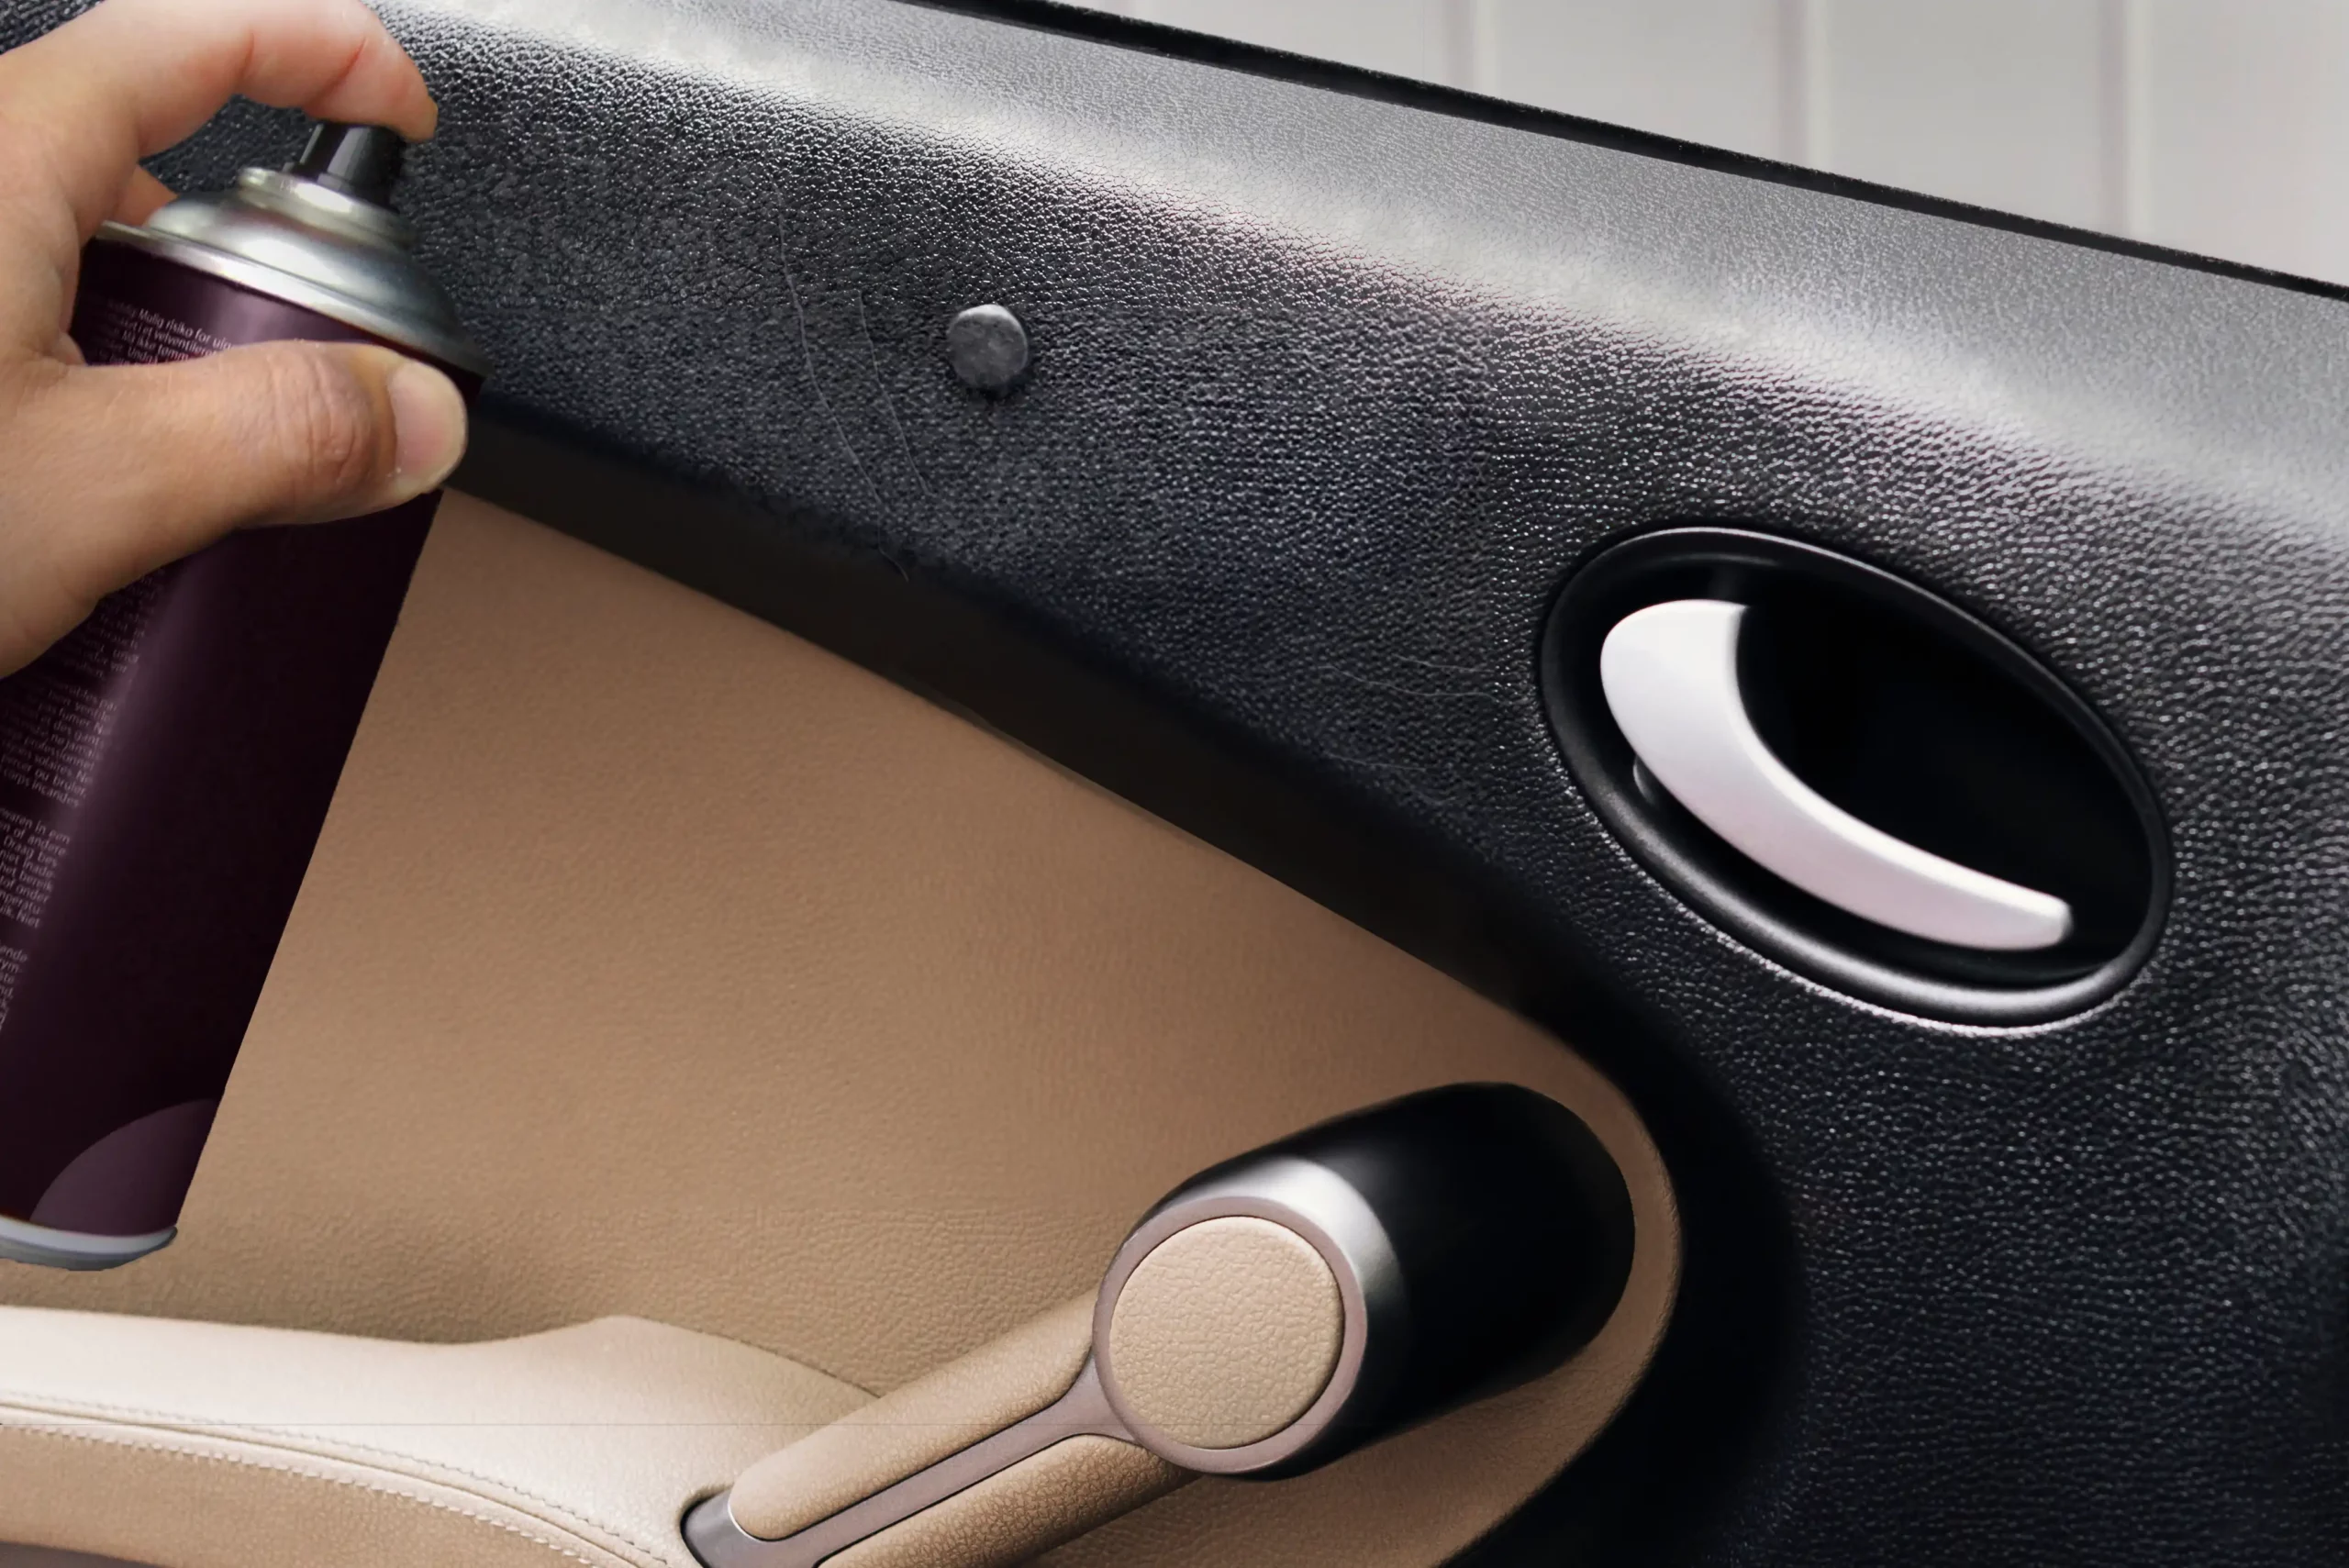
[(1669, 672)]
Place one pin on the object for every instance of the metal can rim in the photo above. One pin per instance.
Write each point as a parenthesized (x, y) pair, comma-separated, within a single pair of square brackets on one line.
[(23, 1241), (455, 352)]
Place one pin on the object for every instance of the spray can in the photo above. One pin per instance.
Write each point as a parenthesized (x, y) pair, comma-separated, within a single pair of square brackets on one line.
[(166, 768)]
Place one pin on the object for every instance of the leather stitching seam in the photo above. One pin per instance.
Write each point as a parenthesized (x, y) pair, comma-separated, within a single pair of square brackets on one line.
[(290, 1465), (236, 1430)]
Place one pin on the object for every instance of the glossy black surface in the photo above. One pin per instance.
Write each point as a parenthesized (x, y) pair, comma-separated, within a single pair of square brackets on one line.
[(360, 160), (1330, 393), (1511, 1231)]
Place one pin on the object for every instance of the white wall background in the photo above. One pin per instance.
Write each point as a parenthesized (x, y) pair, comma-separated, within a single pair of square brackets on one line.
[(2216, 126)]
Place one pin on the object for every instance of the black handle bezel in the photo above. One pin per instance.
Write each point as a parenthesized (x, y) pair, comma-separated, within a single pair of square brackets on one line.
[(1784, 923)]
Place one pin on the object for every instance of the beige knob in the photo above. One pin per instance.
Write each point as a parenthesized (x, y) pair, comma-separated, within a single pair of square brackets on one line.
[(1226, 1333)]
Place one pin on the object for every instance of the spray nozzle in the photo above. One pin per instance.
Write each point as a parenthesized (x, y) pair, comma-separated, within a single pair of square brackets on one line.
[(359, 160)]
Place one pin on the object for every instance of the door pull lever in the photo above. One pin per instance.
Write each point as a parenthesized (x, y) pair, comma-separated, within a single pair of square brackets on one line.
[(1271, 1314), (1669, 672)]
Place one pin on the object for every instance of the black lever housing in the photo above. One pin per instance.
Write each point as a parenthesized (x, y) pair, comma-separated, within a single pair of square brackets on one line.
[(1499, 1242)]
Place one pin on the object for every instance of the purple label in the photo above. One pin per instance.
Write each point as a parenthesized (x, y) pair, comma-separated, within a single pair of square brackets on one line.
[(164, 772)]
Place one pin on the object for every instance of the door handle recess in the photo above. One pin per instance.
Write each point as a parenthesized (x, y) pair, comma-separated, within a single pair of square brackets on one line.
[(1669, 672)]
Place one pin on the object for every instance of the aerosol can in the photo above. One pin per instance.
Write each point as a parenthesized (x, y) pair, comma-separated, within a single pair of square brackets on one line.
[(165, 769)]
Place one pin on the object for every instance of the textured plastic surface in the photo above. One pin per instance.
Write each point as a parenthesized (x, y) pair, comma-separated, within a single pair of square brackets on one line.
[(1329, 395)]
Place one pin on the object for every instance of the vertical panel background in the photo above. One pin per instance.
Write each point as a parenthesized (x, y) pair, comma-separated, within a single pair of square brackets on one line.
[(2246, 132), (1406, 36), (2000, 102), (1705, 70), (2218, 126)]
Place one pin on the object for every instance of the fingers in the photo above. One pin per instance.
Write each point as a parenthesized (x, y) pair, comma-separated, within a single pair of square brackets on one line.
[(131, 77), (118, 469), (141, 197)]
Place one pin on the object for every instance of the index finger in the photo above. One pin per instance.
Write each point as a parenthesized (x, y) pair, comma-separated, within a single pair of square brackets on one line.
[(130, 77)]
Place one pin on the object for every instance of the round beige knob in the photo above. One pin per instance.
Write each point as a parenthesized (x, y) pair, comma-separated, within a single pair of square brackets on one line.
[(1226, 1333)]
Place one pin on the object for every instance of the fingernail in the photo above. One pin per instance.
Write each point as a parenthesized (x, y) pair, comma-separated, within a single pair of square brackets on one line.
[(429, 421)]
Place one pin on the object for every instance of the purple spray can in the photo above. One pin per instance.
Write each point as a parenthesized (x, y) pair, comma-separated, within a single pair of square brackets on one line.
[(166, 768)]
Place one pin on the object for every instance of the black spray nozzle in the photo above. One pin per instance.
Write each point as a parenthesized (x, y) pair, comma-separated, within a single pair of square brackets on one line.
[(359, 160)]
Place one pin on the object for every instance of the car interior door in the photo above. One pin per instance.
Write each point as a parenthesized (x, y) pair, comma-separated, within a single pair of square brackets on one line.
[(1040, 604)]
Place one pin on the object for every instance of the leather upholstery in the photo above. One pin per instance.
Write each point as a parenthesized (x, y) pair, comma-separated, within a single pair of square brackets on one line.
[(914, 1426), (1226, 1333), (655, 962), (200, 1445), (1028, 1508)]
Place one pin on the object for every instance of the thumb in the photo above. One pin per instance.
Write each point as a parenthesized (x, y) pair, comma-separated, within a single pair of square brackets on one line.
[(119, 469)]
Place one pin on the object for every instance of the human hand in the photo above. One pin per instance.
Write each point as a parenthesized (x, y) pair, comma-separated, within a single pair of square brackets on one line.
[(109, 472)]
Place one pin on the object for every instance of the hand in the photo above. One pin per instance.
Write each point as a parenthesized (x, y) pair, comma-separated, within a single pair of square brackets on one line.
[(107, 473)]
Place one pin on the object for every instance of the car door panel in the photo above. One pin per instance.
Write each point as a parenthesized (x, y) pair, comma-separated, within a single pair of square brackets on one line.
[(657, 964), (1334, 385)]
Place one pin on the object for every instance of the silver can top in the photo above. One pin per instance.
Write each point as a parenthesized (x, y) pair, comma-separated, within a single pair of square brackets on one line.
[(310, 235)]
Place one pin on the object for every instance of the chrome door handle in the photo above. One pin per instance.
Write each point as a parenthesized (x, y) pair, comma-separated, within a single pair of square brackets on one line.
[(1669, 672)]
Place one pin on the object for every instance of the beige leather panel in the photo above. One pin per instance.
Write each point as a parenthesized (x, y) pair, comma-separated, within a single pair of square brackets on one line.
[(655, 962), (198, 1502), (1011, 1516), (913, 1427), (192, 1445), (1226, 1333)]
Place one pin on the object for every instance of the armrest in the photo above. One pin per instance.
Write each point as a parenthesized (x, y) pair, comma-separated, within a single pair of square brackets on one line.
[(201, 1445)]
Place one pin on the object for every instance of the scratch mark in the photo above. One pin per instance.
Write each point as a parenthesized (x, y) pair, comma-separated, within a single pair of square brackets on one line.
[(1399, 689), (1472, 672), (889, 404), (815, 386), (1416, 777)]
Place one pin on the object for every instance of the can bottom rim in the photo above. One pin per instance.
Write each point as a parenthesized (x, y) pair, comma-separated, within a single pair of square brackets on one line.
[(22, 1241)]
